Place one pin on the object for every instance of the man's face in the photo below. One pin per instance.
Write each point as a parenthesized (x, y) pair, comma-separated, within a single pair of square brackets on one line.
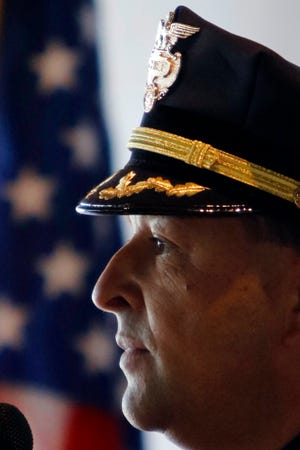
[(199, 306)]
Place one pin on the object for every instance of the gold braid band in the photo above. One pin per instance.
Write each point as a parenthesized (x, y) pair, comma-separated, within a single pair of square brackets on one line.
[(205, 156)]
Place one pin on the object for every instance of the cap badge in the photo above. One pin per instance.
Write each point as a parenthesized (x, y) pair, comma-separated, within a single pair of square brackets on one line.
[(164, 66)]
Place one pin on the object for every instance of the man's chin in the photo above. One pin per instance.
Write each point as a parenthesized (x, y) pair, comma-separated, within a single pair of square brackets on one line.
[(141, 409)]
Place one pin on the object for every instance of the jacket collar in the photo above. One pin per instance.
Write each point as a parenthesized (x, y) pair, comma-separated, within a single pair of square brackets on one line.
[(293, 445)]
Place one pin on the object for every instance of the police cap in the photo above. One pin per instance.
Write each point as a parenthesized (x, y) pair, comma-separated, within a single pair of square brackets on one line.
[(220, 131)]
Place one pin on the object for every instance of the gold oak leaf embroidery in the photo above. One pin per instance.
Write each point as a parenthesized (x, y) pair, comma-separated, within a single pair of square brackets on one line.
[(125, 188)]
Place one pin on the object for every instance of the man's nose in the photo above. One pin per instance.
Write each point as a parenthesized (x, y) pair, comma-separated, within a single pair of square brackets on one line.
[(118, 286)]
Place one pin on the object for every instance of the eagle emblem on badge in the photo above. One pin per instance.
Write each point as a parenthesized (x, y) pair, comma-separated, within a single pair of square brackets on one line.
[(164, 66)]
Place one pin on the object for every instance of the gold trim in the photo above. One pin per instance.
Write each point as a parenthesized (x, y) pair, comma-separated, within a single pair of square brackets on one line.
[(203, 155), (125, 188)]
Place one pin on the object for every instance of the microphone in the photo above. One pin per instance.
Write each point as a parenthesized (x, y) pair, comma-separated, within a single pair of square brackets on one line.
[(15, 432)]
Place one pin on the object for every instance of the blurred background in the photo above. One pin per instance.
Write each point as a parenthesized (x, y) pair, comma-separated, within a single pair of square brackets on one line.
[(72, 75)]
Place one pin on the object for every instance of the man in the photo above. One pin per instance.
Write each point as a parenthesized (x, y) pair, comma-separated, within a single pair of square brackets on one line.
[(207, 290)]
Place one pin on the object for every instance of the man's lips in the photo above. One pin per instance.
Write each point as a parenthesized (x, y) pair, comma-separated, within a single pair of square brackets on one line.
[(127, 343), (134, 352)]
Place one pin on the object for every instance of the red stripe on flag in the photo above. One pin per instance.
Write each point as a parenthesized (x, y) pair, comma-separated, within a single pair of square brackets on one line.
[(91, 429)]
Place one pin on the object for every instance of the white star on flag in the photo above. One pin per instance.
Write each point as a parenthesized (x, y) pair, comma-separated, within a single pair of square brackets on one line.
[(97, 349), (87, 21), (29, 195), (64, 270), (84, 142), (56, 67), (12, 322)]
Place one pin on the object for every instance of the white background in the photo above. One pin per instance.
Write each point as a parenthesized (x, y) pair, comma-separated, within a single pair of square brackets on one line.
[(126, 34)]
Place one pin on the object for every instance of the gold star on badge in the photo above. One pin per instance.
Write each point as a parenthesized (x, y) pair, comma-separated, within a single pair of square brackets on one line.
[(56, 67)]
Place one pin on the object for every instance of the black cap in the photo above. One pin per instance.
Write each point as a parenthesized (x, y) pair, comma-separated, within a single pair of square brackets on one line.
[(220, 132)]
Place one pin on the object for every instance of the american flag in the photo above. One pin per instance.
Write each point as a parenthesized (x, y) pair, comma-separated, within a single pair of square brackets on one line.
[(58, 360)]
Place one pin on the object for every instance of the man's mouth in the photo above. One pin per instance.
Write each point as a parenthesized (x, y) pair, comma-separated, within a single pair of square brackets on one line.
[(134, 352)]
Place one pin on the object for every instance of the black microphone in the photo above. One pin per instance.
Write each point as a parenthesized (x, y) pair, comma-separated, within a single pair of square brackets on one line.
[(15, 432)]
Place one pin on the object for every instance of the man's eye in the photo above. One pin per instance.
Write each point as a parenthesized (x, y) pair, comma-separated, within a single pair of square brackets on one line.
[(160, 245)]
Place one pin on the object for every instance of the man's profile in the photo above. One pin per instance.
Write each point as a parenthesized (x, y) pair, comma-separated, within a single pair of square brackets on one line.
[(207, 291)]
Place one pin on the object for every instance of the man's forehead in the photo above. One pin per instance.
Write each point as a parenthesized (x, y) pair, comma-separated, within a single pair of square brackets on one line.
[(186, 224), (160, 220)]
